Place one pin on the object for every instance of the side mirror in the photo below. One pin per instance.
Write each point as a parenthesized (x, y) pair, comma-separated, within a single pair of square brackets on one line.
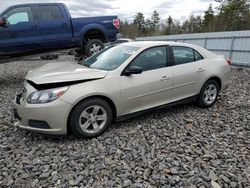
[(3, 21), (132, 70)]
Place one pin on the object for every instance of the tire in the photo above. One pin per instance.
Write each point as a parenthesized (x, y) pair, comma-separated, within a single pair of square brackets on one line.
[(84, 121), (208, 94), (93, 46)]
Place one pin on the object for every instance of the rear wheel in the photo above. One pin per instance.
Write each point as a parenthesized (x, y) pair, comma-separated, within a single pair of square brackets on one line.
[(90, 118), (93, 46), (209, 94)]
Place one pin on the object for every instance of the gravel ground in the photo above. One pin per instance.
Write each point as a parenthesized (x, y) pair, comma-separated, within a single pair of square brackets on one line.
[(183, 146)]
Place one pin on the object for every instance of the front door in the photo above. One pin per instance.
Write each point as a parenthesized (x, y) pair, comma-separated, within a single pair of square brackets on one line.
[(21, 34), (152, 87)]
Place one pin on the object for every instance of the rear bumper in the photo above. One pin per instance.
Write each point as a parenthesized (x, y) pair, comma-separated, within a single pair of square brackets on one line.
[(49, 118)]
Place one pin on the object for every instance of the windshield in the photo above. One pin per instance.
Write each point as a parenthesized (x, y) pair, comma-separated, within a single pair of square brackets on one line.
[(110, 58)]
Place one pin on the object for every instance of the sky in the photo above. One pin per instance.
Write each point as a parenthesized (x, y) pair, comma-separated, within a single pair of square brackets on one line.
[(126, 9)]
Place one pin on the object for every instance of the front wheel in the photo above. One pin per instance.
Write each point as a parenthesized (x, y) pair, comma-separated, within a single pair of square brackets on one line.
[(93, 46), (90, 118), (209, 94)]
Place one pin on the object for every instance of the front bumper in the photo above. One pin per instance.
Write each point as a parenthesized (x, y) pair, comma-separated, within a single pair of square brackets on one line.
[(48, 118)]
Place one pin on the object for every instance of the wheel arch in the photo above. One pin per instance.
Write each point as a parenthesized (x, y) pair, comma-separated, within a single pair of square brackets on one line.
[(215, 78), (105, 98), (93, 31)]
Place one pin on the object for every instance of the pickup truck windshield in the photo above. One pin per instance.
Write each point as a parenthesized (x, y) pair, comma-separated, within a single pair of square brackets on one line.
[(110, 58)]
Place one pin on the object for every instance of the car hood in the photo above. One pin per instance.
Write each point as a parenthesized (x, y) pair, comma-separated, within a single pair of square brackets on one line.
[(63, 72)]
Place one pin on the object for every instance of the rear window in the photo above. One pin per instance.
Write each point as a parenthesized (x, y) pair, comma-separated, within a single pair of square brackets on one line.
[(49, 13), (183, 55), (197, 56)]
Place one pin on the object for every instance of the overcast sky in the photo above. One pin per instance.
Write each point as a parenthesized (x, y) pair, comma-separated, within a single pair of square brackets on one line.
[(126, 9)]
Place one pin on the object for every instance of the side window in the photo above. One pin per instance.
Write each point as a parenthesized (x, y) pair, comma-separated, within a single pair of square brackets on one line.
[(150, 59), (197, 56), (49, 13), (18, 15), (183, 55)]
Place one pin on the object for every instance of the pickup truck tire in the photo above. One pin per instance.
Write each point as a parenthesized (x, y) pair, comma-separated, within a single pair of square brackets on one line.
[(93, 46)]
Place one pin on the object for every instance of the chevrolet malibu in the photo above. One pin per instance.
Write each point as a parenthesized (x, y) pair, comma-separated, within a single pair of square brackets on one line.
[(117, 83)]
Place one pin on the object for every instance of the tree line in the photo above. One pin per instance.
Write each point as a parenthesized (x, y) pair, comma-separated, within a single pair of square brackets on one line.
[(231, 15)]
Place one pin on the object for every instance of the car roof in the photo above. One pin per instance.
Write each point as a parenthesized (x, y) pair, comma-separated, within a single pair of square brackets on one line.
[(148, 44), (155, 43), (30, 4)]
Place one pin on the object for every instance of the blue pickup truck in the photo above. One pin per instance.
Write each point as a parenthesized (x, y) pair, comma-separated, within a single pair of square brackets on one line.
[(34, 28)]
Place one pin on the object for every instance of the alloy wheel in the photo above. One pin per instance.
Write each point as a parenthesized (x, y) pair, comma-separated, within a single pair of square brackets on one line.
[(93, 119), (94, 48), (210, 94)]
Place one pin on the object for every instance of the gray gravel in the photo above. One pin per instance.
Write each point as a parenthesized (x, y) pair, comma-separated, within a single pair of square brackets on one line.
[(184, 146)]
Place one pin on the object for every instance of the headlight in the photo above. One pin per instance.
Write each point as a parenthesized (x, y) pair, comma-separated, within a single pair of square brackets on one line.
[(46, 96)]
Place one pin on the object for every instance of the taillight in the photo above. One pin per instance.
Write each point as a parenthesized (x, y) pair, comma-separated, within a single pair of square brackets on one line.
[(116, 23), (229, 62)]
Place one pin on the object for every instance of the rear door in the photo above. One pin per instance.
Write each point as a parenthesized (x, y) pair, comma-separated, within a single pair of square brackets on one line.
[(55, 26), (188, 68), (21, 34), (150, 88)]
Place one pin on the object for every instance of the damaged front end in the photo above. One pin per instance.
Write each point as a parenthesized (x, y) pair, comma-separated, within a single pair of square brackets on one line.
[(46, 93), (46, 86)]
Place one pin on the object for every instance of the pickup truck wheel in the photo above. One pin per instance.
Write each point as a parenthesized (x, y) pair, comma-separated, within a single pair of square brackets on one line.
[(90, 118), (93, 46)]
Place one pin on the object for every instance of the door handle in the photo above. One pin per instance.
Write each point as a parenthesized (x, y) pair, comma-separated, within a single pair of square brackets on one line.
[(200, 70), (164, 78)]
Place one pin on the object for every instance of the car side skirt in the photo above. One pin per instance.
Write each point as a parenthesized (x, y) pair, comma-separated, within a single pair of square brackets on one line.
[(188, 100)]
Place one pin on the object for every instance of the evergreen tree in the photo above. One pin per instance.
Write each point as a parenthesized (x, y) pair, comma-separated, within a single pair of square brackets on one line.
[(149, 26), (208, 22), (155, 18), (169, 26), (139, 21), (233, 15), (192, 25)]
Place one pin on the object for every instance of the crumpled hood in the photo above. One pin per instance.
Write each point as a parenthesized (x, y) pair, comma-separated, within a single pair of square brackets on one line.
[(63, 72)]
